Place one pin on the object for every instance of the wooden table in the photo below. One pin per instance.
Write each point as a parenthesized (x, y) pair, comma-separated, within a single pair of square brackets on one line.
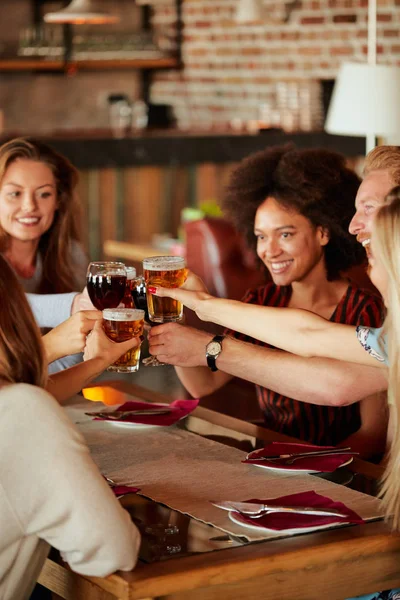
[(332, 565)]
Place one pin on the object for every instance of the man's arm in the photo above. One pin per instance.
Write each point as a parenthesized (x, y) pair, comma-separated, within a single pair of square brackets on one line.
[(320, 381)]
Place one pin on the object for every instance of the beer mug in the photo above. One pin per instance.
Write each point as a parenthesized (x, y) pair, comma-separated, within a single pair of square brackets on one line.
[(120, 325), (169, 272)]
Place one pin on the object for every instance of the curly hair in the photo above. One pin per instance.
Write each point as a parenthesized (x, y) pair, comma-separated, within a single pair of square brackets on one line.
[(314, 182)]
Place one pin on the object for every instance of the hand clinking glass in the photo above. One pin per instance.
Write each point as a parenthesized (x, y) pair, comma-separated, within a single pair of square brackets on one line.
[(165, 271)]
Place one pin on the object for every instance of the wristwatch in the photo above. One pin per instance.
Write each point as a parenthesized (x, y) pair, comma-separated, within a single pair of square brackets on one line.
[(213, 350)]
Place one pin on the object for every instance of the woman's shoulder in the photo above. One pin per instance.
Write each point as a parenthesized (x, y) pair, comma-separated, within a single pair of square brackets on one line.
[(80, 261), (268, 294), (26, 403)]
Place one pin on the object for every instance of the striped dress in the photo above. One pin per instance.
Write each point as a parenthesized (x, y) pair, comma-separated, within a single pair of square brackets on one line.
[(323, 425)]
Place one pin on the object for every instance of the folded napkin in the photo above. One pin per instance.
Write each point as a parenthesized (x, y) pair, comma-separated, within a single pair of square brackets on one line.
[(322, 464), (121, 490), (181, 408), (281, 521)]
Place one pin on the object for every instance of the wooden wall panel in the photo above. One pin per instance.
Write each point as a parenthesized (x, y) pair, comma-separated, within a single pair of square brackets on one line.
[(142, 203), (108, 205), (132, 204)]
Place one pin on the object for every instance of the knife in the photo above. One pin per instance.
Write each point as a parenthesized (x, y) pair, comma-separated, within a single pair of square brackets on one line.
[(122, 414), (296, 455), (254, 510)]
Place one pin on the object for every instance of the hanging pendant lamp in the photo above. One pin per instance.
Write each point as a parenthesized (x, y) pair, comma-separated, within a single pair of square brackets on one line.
[(81, 12)]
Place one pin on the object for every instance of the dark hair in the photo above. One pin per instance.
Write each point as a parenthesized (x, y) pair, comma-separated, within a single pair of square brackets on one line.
[(316, 183), (22, 358), (55, 245)]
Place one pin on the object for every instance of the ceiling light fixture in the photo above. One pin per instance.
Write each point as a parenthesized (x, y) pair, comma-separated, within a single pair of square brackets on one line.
[(81, 12)]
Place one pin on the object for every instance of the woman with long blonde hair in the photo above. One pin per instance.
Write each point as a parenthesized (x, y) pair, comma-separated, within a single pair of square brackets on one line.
[(42, 452)]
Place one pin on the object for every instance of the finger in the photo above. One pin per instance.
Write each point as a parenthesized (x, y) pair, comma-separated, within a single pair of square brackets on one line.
[(88, 325), (162, 292), (132, 343), (163, 358), (92, 314), (158, 330), (98, 326), (188, 298), (156, 349)]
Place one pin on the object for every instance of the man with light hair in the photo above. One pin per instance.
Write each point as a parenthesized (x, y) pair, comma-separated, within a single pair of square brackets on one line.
[(381, 174)]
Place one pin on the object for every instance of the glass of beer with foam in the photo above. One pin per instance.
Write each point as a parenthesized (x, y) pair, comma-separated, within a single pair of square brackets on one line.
[(120, 325), (169, 272)]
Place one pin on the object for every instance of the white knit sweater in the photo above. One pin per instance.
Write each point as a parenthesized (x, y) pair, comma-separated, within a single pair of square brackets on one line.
[(51, 493)]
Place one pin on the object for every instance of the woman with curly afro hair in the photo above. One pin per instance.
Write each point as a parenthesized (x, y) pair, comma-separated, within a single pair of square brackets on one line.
[(294, 208)]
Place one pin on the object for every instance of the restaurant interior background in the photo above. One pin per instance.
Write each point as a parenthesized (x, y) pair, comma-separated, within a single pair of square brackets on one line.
[(217, 80)]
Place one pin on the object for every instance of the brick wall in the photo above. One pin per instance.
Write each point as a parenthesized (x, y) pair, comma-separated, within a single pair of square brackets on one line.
[(230, 68)]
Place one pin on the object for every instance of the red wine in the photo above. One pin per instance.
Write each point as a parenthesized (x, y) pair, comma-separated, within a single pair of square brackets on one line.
[(106, 291)]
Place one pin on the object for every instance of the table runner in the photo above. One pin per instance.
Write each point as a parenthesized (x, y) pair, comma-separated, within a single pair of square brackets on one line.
[(185, 471)]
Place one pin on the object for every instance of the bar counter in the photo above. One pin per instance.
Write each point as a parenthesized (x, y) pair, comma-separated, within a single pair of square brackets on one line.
[(99, 149)]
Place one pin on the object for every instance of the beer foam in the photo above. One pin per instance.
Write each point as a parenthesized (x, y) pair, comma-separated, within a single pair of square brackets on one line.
[(123, 314), (164, 263), (130, 273)]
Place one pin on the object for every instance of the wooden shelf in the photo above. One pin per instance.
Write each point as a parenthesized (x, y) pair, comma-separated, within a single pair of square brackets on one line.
[(27, 64), (30, 64)]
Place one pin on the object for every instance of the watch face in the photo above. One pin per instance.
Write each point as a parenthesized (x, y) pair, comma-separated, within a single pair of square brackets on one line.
[(213, 348)]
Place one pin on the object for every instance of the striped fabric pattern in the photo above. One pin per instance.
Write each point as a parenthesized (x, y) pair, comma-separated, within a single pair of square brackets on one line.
[(322, 425)]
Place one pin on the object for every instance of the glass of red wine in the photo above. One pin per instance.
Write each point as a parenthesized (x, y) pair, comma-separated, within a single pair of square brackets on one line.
[(106, 283)]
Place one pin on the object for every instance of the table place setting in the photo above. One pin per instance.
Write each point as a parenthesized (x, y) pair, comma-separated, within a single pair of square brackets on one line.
[(294, 513), (121, 489), (184, 471), (134, 414), (300, 458)]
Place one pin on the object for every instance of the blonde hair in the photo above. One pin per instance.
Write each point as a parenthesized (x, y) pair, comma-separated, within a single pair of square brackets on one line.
[(55, 244), (22, 357), (387, 246), (384, 158)]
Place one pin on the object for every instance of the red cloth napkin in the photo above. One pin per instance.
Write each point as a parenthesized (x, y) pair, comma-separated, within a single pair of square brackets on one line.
[(182, 409), (323, 464), (281, 521), (121, 490)]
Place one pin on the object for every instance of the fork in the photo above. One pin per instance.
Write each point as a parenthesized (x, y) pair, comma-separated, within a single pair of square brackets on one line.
[(289, 460)]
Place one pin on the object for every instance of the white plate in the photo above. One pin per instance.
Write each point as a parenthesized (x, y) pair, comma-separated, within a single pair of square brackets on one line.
[(130, 425), (288, 469), (236, 518)]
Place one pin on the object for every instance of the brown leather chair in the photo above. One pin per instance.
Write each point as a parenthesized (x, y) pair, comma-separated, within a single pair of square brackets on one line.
[(217, 253)]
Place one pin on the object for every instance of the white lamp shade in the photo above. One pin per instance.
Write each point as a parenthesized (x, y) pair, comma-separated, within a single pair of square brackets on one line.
[(81, 12), (365, 100)]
